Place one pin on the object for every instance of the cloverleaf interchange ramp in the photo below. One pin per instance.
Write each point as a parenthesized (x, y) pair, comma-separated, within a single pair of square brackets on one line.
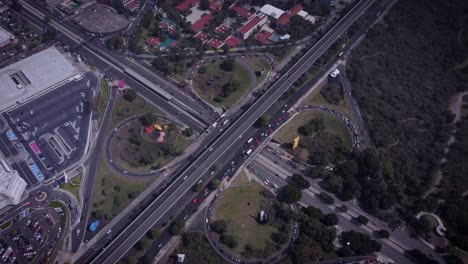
[(158, 209)]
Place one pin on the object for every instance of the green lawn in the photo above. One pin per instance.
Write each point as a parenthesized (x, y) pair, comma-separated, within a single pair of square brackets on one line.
[(128, 155), (333, 125), (104, 98), (73, 186), (109, 199), (220, 77), (124, 109), (259, 64), (239, 206)]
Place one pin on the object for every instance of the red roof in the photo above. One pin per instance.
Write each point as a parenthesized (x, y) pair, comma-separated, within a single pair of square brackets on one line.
[(153, 41), (166, 26), (186, 5), (251, 24), (222, 29), (200, 24), (263, 36), (202, 36), (216, 43), (233, 41), (132, 5), (242, 11), (149, 129), (215, 6), (284, 18)]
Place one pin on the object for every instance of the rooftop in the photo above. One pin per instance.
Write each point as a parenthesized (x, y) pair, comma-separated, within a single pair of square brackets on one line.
[(186, 5), (271, 11), (5, 35), (200, 24), (284, 19), (233, 41), (216, 43), (32, 75), (251, 24), (153, 41), (12, 186), (264, 37), (242, 11), (202, 36)]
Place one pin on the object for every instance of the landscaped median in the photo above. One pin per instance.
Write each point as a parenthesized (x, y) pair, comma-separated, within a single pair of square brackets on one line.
[(104, 97), (73, 186)]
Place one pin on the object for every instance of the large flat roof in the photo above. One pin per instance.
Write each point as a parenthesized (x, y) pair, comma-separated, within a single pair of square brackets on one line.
[(271, 11), (33, 75)]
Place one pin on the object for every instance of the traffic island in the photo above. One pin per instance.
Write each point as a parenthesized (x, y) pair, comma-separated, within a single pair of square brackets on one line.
[(244, 223), (40, 196)]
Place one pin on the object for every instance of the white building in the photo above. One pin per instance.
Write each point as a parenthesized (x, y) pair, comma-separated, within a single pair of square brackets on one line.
[(5, 37), (271, 11), (34, 75), (12, 186)]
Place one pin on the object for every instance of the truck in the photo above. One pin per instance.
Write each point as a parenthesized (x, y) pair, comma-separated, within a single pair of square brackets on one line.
[(250, 140), (249, 151)]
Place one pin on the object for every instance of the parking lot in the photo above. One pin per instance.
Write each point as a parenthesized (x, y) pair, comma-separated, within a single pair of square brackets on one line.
[(31, 239), (53, 128)]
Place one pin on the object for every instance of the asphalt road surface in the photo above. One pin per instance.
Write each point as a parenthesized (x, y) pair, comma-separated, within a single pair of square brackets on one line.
[(158, 209)]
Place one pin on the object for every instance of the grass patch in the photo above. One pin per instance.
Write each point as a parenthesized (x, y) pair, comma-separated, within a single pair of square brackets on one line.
[(316, 98), (241, 179), (259, 64), (5, 225), (239, 206), (124, 109), (114, 192), (220, 78), (149, 154), (104, 98), (333, 125), (73, 186)]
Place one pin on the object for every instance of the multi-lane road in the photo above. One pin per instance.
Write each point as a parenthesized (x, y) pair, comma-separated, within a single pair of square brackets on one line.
[(272, 164), (114, 64), (231, 137)]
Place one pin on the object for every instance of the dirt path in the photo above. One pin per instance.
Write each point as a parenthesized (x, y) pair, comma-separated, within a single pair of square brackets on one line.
[(455, 107)]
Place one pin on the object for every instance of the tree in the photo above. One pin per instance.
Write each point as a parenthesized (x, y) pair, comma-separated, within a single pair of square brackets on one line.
[(326, 198), (214, 184), (289, 194), (313, 212), (16, 5), (177, 227), (362, 220), (139, 245), (204, 4), (147, 20), (330, 219), (115, 42), (148, 119), (418, 257), (361, 244), (203, 69), (229, 241), (153, 233), (261, 122), (279, 237), (130, 95), (344, 208), (424, 226), (188, 132), (227, 65), (219, 226), (299, 181), (383, 233)]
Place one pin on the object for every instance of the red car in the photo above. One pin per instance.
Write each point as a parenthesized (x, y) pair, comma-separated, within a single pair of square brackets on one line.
[(194, 200)]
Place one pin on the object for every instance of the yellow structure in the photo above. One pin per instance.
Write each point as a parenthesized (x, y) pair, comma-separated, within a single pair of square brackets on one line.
[(296, 142), (158, 127)]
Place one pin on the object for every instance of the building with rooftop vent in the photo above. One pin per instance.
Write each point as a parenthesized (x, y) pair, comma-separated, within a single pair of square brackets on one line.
[(34, 76), (12, 186)]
